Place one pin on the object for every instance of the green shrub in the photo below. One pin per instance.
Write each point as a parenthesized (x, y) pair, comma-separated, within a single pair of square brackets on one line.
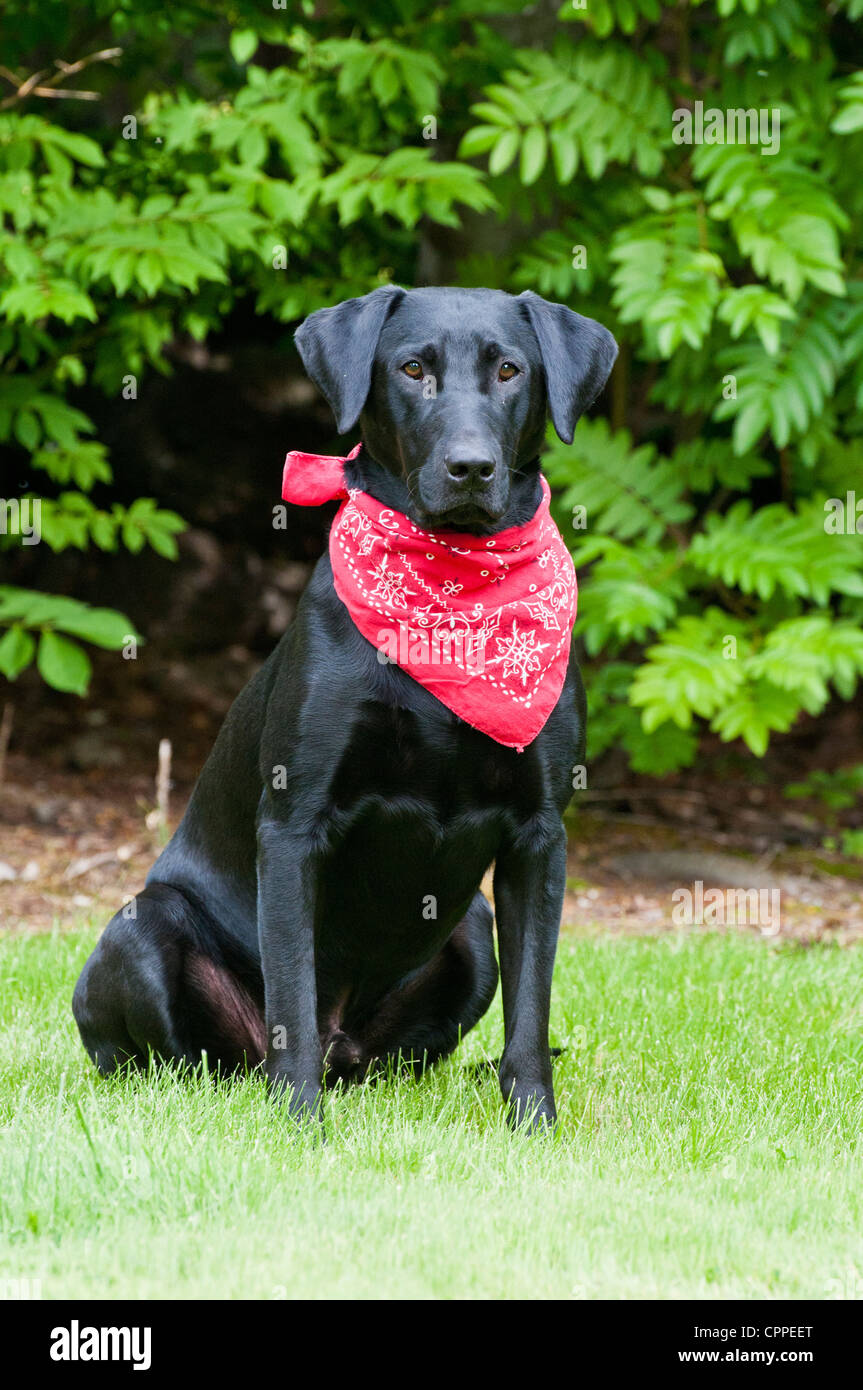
[(284, 158)]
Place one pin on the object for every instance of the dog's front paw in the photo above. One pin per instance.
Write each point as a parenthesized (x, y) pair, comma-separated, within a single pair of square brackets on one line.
[(532, 1111), (530, 1104)]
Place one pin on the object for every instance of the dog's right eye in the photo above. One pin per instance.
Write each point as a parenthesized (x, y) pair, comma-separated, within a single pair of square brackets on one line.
[(413, 369)]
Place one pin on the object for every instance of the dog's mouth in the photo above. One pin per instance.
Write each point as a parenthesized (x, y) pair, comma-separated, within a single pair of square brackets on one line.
[(466, 516)]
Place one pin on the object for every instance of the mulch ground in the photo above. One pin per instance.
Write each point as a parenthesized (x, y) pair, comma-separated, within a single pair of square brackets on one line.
[(75, 846)]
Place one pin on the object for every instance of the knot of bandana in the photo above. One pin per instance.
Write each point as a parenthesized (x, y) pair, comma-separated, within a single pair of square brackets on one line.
[(484, 623)]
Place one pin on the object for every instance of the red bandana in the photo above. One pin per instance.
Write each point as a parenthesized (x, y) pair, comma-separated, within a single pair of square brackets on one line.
[(484, 623)]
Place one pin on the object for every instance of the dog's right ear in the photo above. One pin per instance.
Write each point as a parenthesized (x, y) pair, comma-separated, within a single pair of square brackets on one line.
[(338, 348)]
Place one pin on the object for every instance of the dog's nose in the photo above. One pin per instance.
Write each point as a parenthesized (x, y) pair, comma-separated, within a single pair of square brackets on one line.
[(470, 472)]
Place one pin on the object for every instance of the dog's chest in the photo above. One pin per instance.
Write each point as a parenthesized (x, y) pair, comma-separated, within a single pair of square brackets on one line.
[(415, 799), (415, 808), (437, 771)]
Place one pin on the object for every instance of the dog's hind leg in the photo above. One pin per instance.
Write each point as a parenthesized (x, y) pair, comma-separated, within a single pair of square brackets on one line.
[(423, 1019), (158, 982)]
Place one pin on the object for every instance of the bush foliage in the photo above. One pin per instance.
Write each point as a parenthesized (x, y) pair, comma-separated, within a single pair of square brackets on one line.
[(295, 156)]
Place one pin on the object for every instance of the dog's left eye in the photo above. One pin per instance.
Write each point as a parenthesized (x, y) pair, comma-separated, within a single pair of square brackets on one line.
[(413, 369), (507, 371)]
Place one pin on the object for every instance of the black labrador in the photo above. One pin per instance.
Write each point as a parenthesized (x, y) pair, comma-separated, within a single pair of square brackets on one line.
[(284, 921)]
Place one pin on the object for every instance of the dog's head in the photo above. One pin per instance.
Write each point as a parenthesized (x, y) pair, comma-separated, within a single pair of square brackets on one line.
[(452, 388)]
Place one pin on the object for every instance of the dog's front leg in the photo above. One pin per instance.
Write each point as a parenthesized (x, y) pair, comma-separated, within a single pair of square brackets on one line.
[(528, 895), (286, 933)]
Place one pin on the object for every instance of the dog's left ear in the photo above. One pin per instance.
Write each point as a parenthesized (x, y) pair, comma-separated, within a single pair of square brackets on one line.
[(338, 348), (577, 355)]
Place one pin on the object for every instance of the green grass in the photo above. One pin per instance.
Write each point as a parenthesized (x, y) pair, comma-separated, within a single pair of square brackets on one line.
[(709, 1147)]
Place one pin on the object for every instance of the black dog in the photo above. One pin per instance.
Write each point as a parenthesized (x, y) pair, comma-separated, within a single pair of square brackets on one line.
[(286, 925)]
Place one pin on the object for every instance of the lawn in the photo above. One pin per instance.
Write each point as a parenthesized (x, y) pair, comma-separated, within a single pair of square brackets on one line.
[(709, 1147)]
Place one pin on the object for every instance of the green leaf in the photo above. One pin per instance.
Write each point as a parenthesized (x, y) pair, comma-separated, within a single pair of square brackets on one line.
[(385, 81), (16, 651), (478, 141), (102, 626), (533, 153), (63, 664), (564, 150), (27, 430), (504, 152), (243, 43)]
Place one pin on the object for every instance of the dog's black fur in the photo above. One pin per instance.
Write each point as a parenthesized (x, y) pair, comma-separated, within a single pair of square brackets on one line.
[(318, 908)]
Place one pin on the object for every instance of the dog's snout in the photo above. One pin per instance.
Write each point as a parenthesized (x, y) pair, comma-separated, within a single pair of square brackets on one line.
[(469, 472), (468, 475)]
